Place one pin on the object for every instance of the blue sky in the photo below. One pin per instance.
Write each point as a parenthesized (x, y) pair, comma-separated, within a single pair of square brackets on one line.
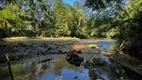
[(69, 1)]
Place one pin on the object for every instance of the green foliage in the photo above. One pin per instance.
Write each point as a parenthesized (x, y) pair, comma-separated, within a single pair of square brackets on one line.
[(9, 21), (119, 21), (3, 33), (100, 4), (53, 18), (113, 47), (113, 33)]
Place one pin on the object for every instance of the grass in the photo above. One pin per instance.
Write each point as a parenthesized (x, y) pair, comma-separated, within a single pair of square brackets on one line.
[(11, 39), (58, 38)]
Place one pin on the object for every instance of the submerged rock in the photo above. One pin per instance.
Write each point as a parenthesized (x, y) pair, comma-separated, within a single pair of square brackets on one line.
[(74, 59)]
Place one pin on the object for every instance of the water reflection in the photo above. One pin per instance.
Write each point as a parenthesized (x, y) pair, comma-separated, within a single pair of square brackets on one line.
[(61, 70), (107, 70), (55, 70), (92, 74)]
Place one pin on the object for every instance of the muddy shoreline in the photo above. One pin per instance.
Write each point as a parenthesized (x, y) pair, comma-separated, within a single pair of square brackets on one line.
[(40, 50), (25, 51)]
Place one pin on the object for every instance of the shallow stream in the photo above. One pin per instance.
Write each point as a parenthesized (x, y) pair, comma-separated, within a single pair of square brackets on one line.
[(101, 68)]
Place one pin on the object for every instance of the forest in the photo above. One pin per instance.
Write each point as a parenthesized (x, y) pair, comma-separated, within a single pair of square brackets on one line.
[(114, 18), (117, 19), (120, 20)]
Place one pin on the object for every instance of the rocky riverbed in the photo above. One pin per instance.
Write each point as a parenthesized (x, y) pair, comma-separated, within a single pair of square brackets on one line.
[(98, 59), (39, 50)]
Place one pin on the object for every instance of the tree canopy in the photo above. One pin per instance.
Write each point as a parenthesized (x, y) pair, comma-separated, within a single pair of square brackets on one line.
[(119, 19)]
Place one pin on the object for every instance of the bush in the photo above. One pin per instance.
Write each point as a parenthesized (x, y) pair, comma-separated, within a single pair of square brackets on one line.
[(27, 33), (113, 47), (4, 33), (113, 33)]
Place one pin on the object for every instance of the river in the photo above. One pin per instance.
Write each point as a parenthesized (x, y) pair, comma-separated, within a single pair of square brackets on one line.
[(60, 69)]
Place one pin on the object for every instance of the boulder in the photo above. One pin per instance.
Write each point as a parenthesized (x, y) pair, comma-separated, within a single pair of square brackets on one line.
[(74, 59)]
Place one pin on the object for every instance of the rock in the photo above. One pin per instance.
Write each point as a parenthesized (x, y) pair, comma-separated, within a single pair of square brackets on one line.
[(22, 44), (60, 52), (79, 51), (48, 59), (65, 52), (3, 60), (43, 53), (95, 62), (74, 59), (49, 48)]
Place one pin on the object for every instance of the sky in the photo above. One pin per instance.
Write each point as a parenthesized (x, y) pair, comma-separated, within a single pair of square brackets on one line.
[(69, 1)]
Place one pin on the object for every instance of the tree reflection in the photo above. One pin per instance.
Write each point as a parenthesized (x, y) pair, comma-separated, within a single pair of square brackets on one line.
[(3, 73), (33, 67), (45, 66), (60, 64), (17, 69), (92, 74)]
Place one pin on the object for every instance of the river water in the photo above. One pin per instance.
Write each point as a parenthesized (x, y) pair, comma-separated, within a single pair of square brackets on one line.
[(60, 69)]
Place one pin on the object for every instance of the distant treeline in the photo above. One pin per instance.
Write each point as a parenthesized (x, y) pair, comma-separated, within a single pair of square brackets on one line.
[(119, 19)]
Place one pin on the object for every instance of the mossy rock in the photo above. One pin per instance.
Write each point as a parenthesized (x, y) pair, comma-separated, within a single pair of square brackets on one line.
[(93, 46)]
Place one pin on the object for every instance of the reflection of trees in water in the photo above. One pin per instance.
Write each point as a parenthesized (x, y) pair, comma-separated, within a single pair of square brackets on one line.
[(57, 71), (92, 74), (44, 67), (24, 71), (60, 64), (17, 69), (3, 73), (26, 68), (33, 67)]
